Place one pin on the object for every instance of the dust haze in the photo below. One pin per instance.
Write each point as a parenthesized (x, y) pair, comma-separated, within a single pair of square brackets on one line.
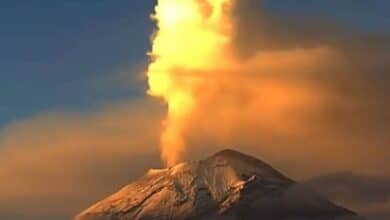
[(304, 94)]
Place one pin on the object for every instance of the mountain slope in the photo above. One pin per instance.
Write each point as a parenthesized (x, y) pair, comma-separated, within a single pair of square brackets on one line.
[(227, 186)]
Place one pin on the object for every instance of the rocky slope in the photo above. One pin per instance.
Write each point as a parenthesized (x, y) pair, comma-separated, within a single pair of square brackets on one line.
[(226, 186)]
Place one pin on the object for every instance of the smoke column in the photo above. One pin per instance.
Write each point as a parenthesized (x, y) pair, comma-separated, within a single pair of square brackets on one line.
[(191, 36)]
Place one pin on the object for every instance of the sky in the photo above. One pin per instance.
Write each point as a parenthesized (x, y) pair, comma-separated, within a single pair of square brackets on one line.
[(72, 82), (55, 54)]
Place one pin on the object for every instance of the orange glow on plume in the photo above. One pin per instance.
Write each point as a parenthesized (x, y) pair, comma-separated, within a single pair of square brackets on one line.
[(191, 35)]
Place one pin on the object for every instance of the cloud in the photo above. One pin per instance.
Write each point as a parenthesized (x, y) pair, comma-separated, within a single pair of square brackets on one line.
[(353, 188), (56, 164), (369, 194), (303, 93)]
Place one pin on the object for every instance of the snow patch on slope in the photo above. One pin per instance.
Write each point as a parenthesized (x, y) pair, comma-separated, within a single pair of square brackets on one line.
[(225, 184)]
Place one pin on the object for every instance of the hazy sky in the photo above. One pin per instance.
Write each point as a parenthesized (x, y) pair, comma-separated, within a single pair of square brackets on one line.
[(75, 123), (57, 54)]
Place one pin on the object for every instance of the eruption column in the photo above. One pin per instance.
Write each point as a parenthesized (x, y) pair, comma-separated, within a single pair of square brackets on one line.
[(191, 38)]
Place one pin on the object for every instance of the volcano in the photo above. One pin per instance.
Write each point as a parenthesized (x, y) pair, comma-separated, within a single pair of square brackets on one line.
[(226, 186)]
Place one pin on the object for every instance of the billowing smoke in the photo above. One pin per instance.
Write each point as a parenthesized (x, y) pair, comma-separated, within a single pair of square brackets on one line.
[(192, 37), (289, 88), (199, 72)]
